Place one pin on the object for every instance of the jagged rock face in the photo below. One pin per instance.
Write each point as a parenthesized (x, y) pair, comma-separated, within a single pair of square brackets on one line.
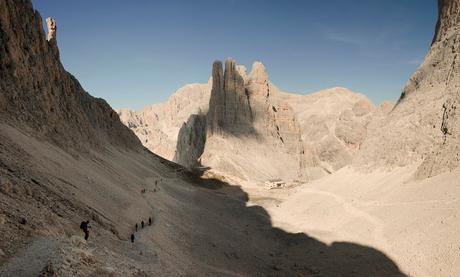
[(241, 105), (191, 141), (278, 134), (158, 125), (448, 17), (424, 128), (36, 90), (230, 107), (333, 124), (52, 28), (259, 83), (243, 115)]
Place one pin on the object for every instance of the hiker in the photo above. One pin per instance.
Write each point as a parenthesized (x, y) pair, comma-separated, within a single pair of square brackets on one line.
[(142, 224), (137, 226), (150, 221), (132, 238), (84, 225)]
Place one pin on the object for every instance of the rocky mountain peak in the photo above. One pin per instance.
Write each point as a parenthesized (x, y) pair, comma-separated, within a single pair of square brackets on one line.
[(241, 69), (229, 107), (52, 28), (259, 73), (258, 81), (448, 17)]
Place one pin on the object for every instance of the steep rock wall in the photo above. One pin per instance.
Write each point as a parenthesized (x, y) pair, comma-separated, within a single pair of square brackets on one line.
[(35, 89), (424, 128)]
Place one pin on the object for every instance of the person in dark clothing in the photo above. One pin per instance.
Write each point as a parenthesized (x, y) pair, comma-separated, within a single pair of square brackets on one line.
[(137, 226), (132, 238), (142, 224), (84, 225), (150, 221)]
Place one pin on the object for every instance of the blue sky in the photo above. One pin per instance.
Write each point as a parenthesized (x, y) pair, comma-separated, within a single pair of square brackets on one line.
[(135, 53)]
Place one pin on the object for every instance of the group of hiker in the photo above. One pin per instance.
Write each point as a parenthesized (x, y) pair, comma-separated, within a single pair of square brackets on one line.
[(136, 227), (84, 226)]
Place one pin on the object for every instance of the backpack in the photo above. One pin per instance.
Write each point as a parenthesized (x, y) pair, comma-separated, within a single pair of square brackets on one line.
[(83, 225)]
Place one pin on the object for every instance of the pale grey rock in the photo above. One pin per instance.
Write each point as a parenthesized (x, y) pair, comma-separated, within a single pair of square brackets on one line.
[(242, 71), (242, 113), (333, 126), (52, 28), (253, 130), (158, 125), (423, 128), (258, 81)]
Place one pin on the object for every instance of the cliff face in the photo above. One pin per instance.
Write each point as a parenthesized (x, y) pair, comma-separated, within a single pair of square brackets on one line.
[(424, 126), (243, 115), (158, 125), (242, 105), (333, 124), (230, 107), (254, 131), (252, 126), (35, 89), (191, 140), (448, 17)]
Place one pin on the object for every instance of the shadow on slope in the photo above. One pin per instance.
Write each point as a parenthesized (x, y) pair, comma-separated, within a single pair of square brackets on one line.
[(253, 247), (202, 225)]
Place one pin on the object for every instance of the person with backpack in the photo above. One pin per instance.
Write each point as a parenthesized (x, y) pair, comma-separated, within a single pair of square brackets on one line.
[(84, 226), (132, 238)]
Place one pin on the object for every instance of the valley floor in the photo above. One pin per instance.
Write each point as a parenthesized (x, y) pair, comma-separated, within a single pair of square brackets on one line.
[(346, 224), (202, 226), (415, 223)]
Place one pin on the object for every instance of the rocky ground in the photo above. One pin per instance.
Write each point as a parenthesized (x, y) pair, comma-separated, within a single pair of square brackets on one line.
[(202, 226)]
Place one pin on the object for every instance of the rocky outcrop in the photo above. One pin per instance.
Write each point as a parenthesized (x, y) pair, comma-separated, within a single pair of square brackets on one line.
[(230, 109), (36, 90), (423, 128), (253, 130), (191, 141), (258, 83), (158, 125), (333, 125), (244, 115), (448, 17), (52, 28), (242, 105)]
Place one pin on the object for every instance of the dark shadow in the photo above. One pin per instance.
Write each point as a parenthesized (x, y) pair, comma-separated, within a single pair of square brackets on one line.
[(249, 245), (191, 141)]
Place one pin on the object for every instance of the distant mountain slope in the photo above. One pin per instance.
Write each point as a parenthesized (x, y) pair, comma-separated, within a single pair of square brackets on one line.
[(158, 125), (334, 123), (329, 126), (424, 127)]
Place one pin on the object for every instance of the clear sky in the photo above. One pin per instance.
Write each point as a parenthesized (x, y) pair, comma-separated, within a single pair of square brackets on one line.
[(135, 53)]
